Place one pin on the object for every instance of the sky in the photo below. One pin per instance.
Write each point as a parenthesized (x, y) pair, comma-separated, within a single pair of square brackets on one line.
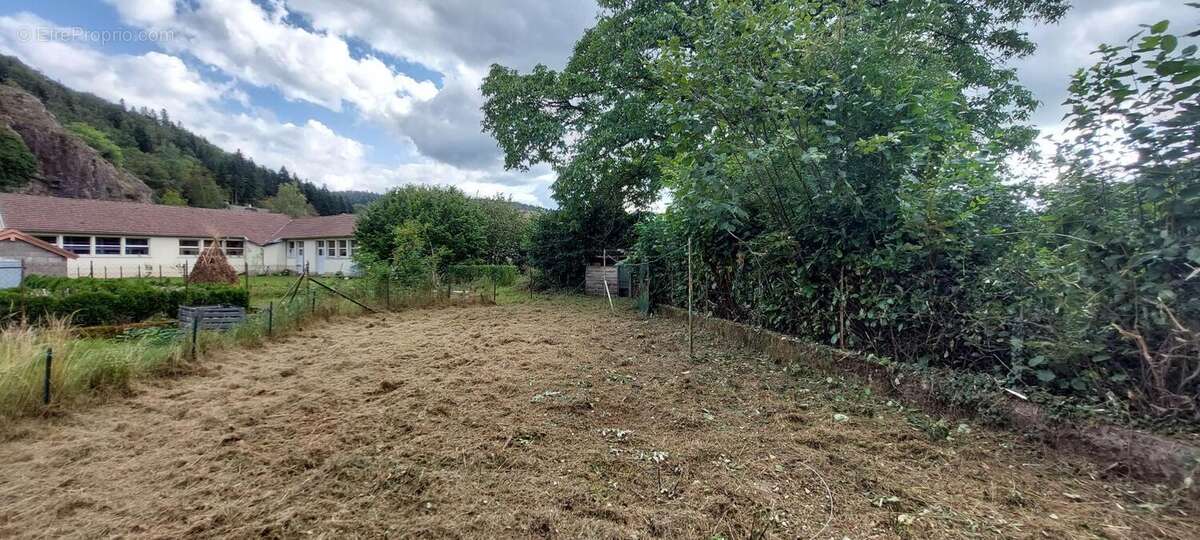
[(373, 94)]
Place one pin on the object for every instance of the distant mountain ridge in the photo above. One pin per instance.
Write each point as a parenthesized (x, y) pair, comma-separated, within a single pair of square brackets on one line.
[(87, 147)]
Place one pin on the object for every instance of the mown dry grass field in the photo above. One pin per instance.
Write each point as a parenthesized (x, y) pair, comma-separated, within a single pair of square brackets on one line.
[(543, 419)]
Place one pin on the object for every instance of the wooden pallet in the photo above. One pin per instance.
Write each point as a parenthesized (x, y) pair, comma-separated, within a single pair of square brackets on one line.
[(211, 317)]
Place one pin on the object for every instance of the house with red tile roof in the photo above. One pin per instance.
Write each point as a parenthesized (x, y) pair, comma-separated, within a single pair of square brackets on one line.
[(129, 239)]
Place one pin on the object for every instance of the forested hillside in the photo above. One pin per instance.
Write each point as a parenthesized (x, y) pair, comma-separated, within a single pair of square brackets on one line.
[(177, 164)]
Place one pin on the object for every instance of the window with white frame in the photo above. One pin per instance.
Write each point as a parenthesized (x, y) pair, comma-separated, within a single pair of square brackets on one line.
[(189, 247), (137, 246), (291, 248), (320, 248), (79, 245), (343, 248), (234, 248), (353, 246), (108, 245)]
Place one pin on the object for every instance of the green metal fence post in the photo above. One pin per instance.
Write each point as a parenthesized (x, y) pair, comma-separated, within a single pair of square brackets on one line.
[(195, 329), (46, 384)]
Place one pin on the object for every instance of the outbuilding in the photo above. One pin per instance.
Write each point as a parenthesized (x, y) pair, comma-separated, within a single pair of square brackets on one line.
[(21, 254)]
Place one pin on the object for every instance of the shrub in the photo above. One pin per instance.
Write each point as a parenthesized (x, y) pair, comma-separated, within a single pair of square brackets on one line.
[(500, 274), (97, 302)]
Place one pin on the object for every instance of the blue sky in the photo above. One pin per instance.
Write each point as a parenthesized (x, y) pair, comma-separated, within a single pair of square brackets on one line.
[(370, 94)]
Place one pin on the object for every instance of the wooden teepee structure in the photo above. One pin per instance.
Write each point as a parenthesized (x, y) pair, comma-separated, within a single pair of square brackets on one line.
[(212, 266)]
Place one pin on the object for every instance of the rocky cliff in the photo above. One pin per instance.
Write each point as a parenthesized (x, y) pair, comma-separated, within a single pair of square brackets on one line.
[(68, 167)]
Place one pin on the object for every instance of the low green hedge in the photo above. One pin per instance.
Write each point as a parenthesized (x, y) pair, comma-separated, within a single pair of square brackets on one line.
[(109, 301), (501, 274)]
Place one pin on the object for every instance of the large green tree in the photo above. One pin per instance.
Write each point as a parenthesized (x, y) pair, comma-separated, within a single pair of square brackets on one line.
[(506, 229), (290, 200), (600, 121), (452, 224)]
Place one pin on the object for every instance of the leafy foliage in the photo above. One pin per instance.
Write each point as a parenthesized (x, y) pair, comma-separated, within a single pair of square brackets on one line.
[(109, 301), (499, 274), (17, 164), (412, 262), (290, 200), (451, 223), (98, 141), (853, 190), (506, 229), (1131, 227), (561, 242), (172, 198)]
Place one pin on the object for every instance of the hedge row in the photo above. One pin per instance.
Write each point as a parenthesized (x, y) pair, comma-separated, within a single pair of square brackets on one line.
[(502, 274), (102, 302)]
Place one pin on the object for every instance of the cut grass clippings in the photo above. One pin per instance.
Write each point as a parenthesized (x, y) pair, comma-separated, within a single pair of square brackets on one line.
[(552, 418)]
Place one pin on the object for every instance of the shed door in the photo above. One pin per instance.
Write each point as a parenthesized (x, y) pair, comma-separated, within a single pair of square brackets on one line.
[(10, 273)]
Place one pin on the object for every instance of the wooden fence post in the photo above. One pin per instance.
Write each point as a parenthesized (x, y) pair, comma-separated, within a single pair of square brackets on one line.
[(691, 347), (270, 317)]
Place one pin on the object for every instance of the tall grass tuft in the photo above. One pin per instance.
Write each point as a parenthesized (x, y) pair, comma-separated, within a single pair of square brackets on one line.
[(80, 367), (86, 367)]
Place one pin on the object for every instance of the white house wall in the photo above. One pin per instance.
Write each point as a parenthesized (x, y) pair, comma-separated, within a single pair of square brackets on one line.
[(296, 260), (164, 259)]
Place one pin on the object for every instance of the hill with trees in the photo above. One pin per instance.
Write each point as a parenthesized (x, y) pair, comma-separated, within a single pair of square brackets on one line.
[(178, 165)]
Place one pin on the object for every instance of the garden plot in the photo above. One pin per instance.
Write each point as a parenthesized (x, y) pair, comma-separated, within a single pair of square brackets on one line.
[(544, 419)]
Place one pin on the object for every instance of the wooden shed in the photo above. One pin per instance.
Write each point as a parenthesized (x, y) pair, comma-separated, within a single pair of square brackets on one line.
[(607, 268)]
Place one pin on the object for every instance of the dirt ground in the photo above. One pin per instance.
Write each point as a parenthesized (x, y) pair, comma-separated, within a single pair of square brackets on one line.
[(547, 419)]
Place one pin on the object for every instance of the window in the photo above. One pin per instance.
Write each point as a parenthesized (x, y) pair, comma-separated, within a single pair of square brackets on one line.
[(108, 245), (320, 248), (189, 247), (234, 248), (342, 248), (353, 246), (137, 246), (79, 245), (291, 248), (48, 239)]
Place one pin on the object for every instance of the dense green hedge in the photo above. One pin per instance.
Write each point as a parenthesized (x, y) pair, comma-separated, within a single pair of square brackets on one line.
[(502, 274), (110, 301)]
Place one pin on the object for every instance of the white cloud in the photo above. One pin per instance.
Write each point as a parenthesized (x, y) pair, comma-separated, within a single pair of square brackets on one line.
[(446, 33), (263, 45), (257, 45), (1068, 45), (461, 39), (153, 79), (310, 149)]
